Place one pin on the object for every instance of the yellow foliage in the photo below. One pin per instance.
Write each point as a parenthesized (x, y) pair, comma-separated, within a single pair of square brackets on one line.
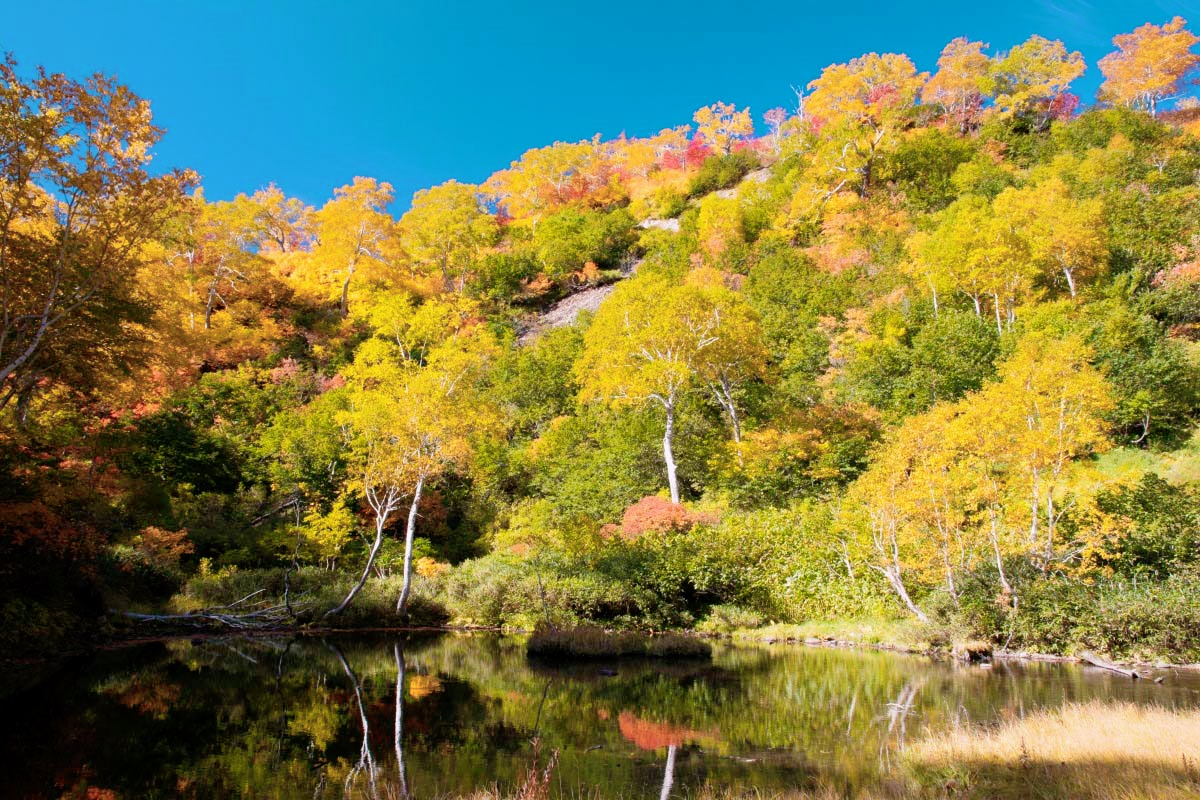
[(1149, 65), (428, 567)]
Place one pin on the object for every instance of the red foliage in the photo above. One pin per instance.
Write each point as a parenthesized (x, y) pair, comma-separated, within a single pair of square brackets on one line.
[(1063, 107), (38, 531), (697, 152), (288, 368), (164, 548), (884, 96), (655, 514)]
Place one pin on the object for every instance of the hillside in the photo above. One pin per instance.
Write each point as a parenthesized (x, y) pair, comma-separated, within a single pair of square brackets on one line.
[(925, 349)]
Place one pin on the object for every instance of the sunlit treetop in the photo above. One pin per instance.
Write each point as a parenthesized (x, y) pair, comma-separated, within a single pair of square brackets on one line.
[(1149, 66)]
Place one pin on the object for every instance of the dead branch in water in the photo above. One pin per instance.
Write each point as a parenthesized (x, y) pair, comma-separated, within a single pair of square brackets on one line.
[(1103, 663)]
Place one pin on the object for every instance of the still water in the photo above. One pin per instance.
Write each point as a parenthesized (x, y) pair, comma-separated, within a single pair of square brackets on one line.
[(446, 715)]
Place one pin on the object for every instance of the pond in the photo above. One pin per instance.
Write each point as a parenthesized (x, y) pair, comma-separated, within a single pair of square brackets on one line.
[(316, 717)]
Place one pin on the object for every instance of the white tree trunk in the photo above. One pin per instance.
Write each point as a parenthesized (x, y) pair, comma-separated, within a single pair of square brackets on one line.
[(409, 533), (669, 455), (668, 773), (383, 510)]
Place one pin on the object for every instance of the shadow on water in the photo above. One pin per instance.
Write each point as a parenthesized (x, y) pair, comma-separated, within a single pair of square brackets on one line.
[(452, 714)]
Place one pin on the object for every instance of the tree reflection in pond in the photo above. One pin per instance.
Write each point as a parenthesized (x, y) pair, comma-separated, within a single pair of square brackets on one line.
[(302, 718)]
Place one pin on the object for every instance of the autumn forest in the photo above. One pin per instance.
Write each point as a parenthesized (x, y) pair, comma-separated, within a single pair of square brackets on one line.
[(922, 348)]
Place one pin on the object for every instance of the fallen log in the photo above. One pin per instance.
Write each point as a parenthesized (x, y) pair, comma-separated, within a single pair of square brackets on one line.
[(1104, 663), (267, 617)]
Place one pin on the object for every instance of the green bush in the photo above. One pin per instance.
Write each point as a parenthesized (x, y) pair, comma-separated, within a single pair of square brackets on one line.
[(1126, 618), (722, 172)]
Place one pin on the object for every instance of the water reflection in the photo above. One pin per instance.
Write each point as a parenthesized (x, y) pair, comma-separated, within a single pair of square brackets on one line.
[(312, 718)]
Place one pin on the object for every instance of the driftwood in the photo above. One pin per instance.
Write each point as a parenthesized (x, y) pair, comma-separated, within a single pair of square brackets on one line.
[(228, 616), (1103, 663)]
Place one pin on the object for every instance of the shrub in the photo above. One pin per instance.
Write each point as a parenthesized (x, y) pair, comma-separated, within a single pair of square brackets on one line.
[(1126, 618), (654, 514), (722, 172)]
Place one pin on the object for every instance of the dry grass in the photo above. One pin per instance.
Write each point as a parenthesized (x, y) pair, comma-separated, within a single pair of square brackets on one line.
[(1095, 750)]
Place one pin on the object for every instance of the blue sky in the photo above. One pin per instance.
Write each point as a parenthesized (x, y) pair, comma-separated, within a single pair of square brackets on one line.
[(310, 94)]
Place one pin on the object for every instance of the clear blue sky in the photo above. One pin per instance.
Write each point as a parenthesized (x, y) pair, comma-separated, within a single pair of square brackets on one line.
[(309, 94)]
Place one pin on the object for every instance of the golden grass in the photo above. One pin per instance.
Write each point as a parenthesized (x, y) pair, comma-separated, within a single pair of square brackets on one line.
[(1096, 750)]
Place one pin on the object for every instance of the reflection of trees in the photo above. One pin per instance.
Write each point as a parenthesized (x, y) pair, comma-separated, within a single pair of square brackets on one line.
[(366, 761), (898, 712), (398, 728), (269, 720)]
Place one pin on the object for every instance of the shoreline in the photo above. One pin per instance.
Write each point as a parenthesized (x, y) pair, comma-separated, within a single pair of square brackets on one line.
[(761, 636)]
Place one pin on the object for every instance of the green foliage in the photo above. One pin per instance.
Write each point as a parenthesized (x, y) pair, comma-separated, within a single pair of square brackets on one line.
[(729, 618), (312, 591), (791, 296), (566, 241), (1165, 535), (951, 355), (535, 384), (923, 168), (501, 276), (721, 172), (169, 447), (597, 462), (1125, 618), (1156, 385)]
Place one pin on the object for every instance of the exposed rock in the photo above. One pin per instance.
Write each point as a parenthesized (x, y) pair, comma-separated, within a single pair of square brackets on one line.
[(660, 224), (566, 311), (758, 175)]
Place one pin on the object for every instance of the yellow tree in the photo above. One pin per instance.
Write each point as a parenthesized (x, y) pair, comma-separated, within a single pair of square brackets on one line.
[(859, 108), (916, 500), (957, 86), (78, 206), (1149, 65), (738, 356), (1064, 235), (877, 505), (975, 252), (354, 231), (1032, 74), (408, 425), (544, 178), (283, 224), (416, 326), (1046, 410), (445, 230), (649, 344), (721, 124), (719, 223)]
